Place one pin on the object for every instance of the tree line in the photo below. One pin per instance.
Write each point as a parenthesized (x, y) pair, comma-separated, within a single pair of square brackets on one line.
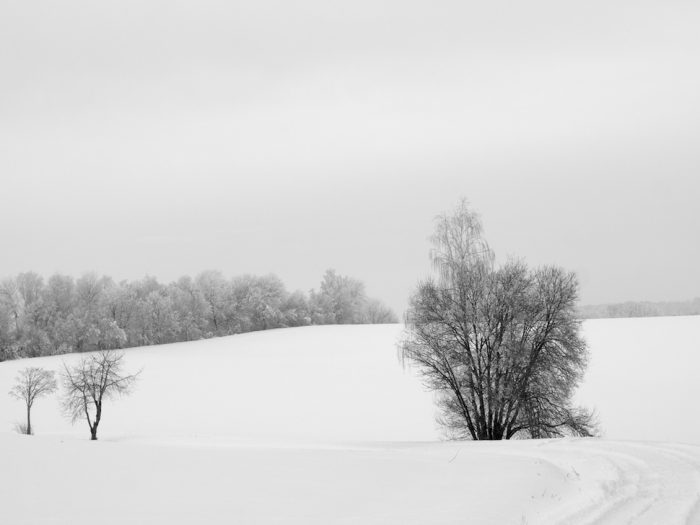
[(640, 309), (61, 314)]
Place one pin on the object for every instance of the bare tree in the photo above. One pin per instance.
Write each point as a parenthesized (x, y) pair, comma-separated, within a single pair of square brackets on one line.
[(32, 383), (502, 346), (95, 378), (376, 312)]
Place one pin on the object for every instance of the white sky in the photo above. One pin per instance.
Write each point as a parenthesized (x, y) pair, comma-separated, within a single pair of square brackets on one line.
[(164, 138)]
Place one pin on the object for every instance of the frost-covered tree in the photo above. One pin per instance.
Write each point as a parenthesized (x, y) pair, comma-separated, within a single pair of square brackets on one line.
[(257, 302), (31, 384), (501, 345), (295, 309), (94, 379), (340, 300), (59, 300), (29, 287), (160, 319), (94, 313), (21, 298), (216, 292), (190, 308), (12, 304)]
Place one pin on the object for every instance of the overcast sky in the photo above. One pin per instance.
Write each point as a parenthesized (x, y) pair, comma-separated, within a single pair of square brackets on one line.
[(165, 138)]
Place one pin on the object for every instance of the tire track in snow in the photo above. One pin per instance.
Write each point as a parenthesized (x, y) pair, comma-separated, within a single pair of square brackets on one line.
[(685, 453), (651, 484), (614, 496)]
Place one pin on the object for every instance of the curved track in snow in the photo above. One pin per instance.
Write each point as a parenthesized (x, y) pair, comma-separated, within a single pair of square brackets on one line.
[(63, 480), (625, 482)]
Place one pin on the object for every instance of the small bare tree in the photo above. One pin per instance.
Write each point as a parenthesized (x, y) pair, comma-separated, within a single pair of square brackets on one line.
[(32, 383), (95, 378)]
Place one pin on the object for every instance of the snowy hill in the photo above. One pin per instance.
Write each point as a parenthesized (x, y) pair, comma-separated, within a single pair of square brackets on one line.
[(338, 383), (324, 425)]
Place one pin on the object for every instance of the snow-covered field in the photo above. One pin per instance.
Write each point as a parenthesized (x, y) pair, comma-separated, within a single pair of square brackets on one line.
[(324, 425)]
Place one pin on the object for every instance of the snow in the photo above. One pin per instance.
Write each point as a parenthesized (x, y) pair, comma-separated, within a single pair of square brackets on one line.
[(324, 425), (642, 377)]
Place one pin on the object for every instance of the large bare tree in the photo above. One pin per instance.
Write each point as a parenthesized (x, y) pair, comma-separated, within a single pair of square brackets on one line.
[(89, 383), (501, 345), (32, 383)]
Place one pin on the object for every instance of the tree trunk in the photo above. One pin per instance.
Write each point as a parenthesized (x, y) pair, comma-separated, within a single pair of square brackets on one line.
[(29, 421), (98, 416)]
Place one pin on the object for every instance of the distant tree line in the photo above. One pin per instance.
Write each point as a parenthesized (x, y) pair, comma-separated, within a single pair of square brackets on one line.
[(63, 314), (640, 309)]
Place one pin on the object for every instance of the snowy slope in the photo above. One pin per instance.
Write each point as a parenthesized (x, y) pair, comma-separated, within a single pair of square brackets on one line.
[(339, 383), (643, 377), (323, 425)]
